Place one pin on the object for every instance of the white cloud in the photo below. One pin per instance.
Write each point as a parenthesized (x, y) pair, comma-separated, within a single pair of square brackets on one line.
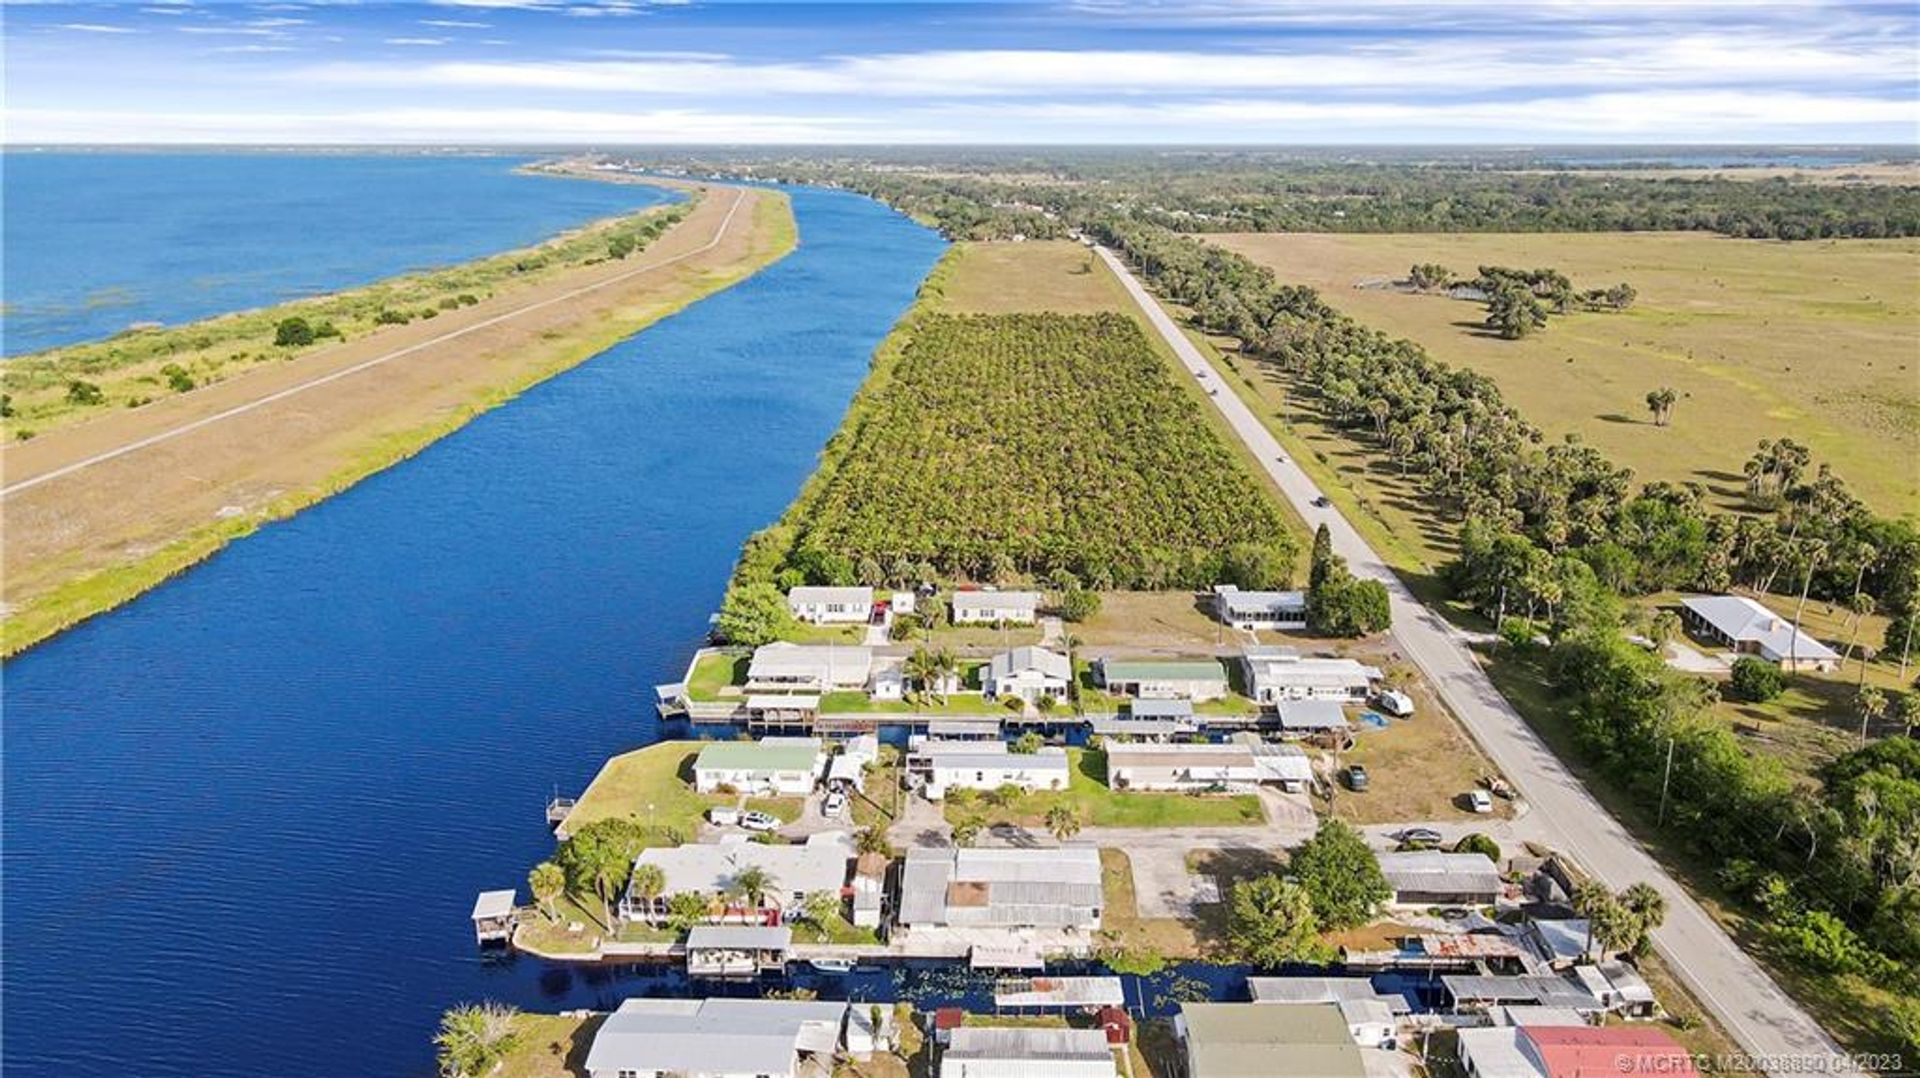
[(1431, 69), (489, 126), (425, 42), (232, 31), (96, 28), (455, 24), (253, 48)]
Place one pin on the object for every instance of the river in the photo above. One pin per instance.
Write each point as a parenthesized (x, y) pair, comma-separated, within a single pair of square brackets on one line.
[(246, 815)]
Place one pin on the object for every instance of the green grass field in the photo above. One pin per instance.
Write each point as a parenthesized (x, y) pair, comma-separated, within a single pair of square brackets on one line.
[(1761, 339), (655, 786)]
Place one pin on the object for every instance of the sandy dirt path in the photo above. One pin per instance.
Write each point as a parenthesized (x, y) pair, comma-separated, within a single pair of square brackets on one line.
[(95, 513)]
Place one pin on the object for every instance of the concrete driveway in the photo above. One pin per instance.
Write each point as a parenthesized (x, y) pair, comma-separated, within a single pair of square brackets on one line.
[(1758, 1014)]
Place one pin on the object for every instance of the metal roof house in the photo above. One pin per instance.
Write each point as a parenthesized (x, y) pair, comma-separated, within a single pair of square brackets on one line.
[(1322, 990), (1246, 1040), (1181, 767), (1749, 628), (712, 869), (1260, 609), (994, 607), (1148, 718), (1164, 679), (1279, 673), (990, 1052), (1028, 673), (1005, 888), (1438, 878), (831, 606), (812, 668), (1311, 718), (781, 765), (985, 765), (714, 1038)]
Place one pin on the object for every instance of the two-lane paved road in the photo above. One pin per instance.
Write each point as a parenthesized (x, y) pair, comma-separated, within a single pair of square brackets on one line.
[(1747, 1002)]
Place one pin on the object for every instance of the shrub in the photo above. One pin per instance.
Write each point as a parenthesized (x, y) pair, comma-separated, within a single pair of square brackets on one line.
[(79, 392), (1479, 843), (293, 333), (1339, 872), (177, 377), (390, 317), (1755, 680), (1079, 604), (1822, 942)]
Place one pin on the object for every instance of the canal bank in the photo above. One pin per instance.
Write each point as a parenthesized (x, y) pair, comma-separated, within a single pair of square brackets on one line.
[(253, 805)]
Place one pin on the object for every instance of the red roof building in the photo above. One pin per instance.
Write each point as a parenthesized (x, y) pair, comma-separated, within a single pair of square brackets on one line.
[(1602, 1051)]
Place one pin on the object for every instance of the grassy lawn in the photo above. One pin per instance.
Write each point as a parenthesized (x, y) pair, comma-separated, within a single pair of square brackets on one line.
[(837, 930), (1122, 926), (553, 936), (1099, 806), (978, 636), (1760, 339), (655, 785), (960, 703), (716, 672), (802, 633), (551, 1046), (1154, 619), (1419, 768)]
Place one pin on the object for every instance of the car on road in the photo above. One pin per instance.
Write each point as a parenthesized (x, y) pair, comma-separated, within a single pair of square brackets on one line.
[(759, 821), (834, 805), (1321, 502), (1420, 836), (1480, 801), (1357, 778)]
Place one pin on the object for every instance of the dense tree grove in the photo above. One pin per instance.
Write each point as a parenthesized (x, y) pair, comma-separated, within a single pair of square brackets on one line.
[(976, 193), (1044, 447)]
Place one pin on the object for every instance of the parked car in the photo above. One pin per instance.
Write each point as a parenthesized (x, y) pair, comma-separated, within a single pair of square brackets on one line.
[(1357, 778), (1420, 836), (834, 805), (759, 821), (1480, 800), (723, 816)]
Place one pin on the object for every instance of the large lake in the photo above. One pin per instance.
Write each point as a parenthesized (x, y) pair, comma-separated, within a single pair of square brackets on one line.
[(95, 242), (245, 816)]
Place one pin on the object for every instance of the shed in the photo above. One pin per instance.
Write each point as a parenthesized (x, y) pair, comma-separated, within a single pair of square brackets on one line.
[(494, 916)]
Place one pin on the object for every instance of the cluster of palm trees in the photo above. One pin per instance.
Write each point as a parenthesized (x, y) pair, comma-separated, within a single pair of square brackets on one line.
[(931, 670), (1623, 921)]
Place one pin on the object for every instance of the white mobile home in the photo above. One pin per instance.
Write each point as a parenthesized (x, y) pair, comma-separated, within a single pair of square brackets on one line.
[(710, 869), (985, 765), (716, 1038), (1191, 768), (1278, 673), (995, 607), (1164, 679), (1260, 609), (780, 765), (812, 668), (831, 606), (1057, 887)]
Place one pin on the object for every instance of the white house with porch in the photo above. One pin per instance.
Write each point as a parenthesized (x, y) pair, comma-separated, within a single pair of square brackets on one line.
[(984, 765), (713, 870), (811, 668), (788, 766), (1749, 628), (1260, 609), (1279, 673), (1028, 673)]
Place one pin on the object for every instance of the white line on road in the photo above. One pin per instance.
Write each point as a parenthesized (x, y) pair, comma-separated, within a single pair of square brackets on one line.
[(1761, 1017), (241, 409)]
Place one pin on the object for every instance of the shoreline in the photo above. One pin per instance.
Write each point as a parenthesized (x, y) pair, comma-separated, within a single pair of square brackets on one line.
[(770, 233)]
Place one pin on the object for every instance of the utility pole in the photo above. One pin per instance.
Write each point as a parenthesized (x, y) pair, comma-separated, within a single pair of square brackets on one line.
[(1666, 777)]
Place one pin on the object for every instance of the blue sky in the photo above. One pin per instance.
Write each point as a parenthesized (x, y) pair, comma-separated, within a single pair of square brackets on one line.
[(640, 71)]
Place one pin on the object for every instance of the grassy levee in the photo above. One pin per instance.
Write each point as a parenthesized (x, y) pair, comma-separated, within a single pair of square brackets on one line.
[(1415, 541), (86, 595)]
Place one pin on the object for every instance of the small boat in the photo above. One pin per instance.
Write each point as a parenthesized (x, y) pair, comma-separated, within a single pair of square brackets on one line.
[(832, 965)]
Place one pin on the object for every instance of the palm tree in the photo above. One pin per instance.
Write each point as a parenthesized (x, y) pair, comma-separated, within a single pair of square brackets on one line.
[(1590, 900), (1860, 606), (1664, 627), (1872, 702), (1660, 403), (1063, 821), (1816, 553), (648, 882), (546, 881), (1649, 909), (609, 874), (965, 832), (753, 883)]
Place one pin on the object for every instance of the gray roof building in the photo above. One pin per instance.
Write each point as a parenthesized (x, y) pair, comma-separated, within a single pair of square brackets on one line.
[(709, 868), (1046, 663), (994, 1052), (1746, 625), (1008, 888), (1323, 990), (713, 1038), (1244, 1040), (1420, 877)]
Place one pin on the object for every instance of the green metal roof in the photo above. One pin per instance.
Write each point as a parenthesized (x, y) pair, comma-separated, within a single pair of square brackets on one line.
[(1164, 670), (757, 756)]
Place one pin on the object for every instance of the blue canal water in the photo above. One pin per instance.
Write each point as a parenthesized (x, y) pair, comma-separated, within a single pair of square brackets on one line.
[(246, 815), (95, 242)]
